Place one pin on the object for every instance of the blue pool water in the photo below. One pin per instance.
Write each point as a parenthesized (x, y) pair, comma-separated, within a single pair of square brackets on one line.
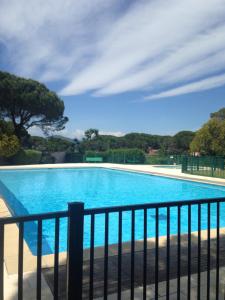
[(49, 190)]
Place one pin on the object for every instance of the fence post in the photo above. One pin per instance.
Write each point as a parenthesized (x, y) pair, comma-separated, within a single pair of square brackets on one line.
[(75, 250), (1, 261)]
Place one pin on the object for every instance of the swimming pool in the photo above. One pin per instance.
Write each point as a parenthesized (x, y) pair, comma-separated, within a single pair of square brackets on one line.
[(49, 190)]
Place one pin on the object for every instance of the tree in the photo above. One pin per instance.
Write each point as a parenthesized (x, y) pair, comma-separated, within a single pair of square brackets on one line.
[(28, 103), (9, 143), (182, 141), (220, 114), (91, 134), (210, 139)]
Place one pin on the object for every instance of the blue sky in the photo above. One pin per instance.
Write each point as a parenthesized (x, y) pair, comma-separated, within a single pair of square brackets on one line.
[(121, 66)]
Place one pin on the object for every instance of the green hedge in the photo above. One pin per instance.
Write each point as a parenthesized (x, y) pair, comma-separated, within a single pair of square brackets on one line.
[(164, 160), (73, 157), (27, 157), (126, 156), (47, 158)]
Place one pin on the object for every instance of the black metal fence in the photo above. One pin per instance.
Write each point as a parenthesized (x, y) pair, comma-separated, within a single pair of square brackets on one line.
[(211, 166), (180, 241)]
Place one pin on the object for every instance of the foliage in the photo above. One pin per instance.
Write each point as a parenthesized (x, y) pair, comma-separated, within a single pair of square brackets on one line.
[(220, 114), (126, 156), (28, 103), (9, 145), (213, 166), (6, 128), (52, 144), (26, 157), (141, 141), (210, 139), (164, 160), (73, 157), (46, 158), (182, 141), (91, 134)]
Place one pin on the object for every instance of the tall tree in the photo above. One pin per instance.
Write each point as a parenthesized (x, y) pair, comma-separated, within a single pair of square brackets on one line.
[(210, 139), (28, 103)]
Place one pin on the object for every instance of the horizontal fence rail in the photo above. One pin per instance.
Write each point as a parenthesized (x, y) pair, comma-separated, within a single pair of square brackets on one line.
[(143, 251)]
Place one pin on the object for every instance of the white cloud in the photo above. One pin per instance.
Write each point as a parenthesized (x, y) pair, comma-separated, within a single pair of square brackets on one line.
[(202, 85), (109, 47), (73, 134), (115, 133)]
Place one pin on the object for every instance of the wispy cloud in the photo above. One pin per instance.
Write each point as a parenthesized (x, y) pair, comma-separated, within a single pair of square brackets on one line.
[(198, 86), (110, 47)]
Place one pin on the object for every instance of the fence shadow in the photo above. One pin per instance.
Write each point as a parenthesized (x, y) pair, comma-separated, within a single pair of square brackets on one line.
[(138, 265)]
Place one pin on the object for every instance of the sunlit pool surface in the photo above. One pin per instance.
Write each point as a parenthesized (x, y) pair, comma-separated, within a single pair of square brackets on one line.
[(49, 190)]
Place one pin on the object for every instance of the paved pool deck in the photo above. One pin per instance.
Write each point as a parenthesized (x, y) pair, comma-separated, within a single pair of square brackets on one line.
[(11, 232)]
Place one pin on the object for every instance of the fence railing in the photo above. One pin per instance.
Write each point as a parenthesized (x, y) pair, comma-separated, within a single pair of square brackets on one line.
[(131, 249), (211, 166)]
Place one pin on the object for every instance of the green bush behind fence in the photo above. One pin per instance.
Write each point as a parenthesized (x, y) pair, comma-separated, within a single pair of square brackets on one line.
[(211, 166)]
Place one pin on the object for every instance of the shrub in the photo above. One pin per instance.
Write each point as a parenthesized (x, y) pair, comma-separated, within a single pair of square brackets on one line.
[(47, 159), (26, 157), (73, 157), (9, 145), (164, 160), (132, 156)]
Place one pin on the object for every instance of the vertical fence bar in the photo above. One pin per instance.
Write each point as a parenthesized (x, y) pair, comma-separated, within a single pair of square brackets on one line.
[(56, 260), (106, 255), (119, 255), (132, 253), (168, 255), (178, 252), (92, 244), (20, 262), (199, 252), (209, 252), (218, 250), (2, 261), (156, 252), (75, 250), (189, 253), (145, 255), (39, 258)]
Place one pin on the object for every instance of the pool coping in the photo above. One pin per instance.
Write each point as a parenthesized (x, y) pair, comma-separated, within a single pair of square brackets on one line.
[(143, 169), (30, 260)]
